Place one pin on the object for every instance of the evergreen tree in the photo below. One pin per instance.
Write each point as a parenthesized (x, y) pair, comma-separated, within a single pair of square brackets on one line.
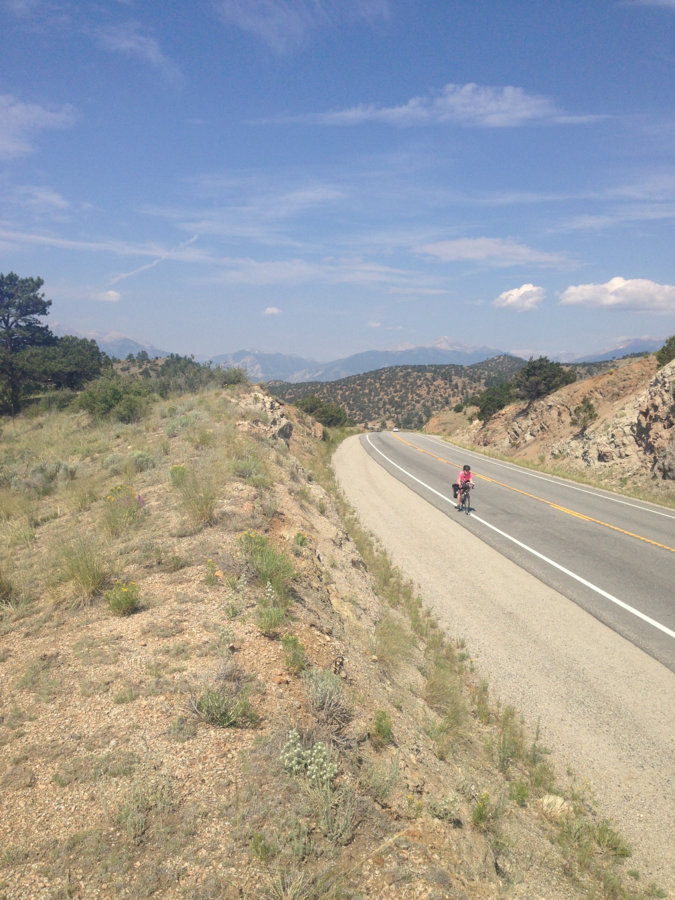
[(21, 305)]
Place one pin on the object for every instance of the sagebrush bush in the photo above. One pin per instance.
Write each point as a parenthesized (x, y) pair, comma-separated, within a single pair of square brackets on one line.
[(325, 694)]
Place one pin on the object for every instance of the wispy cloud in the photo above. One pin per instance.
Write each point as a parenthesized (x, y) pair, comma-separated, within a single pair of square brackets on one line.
[(107, 297), (633, 294), (20, 122), (166, 255), (455, 104), (522, 299), (272, 311), (496, 251), (669, 4), (130, 40), (287, 24), (373, 324)]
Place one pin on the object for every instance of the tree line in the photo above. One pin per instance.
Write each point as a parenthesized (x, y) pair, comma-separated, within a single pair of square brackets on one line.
[(34, 361)]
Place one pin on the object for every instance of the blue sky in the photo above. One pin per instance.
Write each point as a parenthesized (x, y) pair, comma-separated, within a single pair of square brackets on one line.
[(281, 175)]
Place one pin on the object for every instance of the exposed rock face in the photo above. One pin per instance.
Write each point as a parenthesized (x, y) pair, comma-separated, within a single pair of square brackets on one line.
[(639, 439), (633, 435)]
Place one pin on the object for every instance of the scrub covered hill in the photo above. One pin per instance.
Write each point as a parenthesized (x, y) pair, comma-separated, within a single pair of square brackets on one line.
[(404, 395)]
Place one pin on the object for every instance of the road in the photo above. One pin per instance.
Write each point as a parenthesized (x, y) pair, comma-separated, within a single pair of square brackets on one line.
[(605, 704), (614, 556)]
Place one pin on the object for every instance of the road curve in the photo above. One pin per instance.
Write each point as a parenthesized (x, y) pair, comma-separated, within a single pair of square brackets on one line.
[(606, 706), (614, 556)]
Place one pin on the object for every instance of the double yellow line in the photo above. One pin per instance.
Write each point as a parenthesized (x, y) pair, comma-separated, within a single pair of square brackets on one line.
[(570, 512)]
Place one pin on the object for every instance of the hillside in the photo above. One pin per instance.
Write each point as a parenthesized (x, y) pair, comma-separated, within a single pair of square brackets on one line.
[(406, 395), (631, 442), (214, 686)]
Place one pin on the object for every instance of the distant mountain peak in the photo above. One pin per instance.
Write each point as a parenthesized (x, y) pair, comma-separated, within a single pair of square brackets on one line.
[(114, 343)]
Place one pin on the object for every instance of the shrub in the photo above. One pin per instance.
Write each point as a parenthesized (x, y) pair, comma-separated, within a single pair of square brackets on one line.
[(293, 654), (444, 809), (177, 476), (481, 813), (519, 792), (235, 375), (123, 599), (325, 693), (667, 353), (382, 731), (141, 460), (394, 644), (218, 707), (80, 563), (198, 497), (123, 508), (202, 439), (270, 565), (584, 413), (148, 794), (270, 619), (120, 399)]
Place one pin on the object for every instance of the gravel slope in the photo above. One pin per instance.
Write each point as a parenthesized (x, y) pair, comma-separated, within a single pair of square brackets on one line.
[(606, 708)]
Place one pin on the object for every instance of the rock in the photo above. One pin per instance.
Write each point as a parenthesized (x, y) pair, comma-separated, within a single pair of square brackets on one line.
[(555, 807), (284, 433)]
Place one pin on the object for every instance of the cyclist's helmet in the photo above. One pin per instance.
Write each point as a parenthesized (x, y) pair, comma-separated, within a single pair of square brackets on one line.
[(467, 468)]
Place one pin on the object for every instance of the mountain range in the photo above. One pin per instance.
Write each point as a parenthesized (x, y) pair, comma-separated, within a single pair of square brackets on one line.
[(624, 348), (114, 343), (295, 369), (263, 366)]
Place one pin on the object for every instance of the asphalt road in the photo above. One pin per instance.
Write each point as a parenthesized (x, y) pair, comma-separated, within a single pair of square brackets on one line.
[(613, 556)]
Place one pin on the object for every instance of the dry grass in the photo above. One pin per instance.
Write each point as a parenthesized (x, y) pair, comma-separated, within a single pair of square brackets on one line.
[(81, 565)]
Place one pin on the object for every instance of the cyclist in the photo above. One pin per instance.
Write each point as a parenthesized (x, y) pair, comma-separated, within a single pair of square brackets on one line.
[(464, 477)]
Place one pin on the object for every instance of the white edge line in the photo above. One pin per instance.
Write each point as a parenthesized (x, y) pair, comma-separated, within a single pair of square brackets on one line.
[(630, 609), (555, 480)]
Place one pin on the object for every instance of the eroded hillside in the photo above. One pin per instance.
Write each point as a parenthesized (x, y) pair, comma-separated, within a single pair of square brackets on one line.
[(214, 685), (403, 395)]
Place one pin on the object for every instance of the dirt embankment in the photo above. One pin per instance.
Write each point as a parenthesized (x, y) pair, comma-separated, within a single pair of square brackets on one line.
[(277, 716), (631, 436)]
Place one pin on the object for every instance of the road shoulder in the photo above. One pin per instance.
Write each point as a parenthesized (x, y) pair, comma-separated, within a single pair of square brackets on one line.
[(606, 708)]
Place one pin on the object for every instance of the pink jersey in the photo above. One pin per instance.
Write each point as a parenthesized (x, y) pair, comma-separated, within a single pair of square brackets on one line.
[(464, 476)]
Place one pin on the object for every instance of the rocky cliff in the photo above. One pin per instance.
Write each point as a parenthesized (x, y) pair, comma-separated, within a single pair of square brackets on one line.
[(632, 437)]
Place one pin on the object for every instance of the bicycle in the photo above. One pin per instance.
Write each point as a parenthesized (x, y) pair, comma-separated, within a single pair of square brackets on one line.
[(465, 499)]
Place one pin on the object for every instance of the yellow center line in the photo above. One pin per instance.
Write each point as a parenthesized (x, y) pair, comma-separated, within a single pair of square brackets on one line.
[(570, 512)]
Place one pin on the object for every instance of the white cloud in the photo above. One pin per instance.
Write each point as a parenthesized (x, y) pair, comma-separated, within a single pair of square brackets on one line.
[(456, 104), (374, 324), (286, 24), (130, 40), (272, 311), (108, 297), (669, 4), (20, 122), (634, 294), (498, 251), (522, 299)]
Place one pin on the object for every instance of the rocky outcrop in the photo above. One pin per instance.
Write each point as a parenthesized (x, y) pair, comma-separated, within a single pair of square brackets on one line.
[(639, 438), (633, 434)]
